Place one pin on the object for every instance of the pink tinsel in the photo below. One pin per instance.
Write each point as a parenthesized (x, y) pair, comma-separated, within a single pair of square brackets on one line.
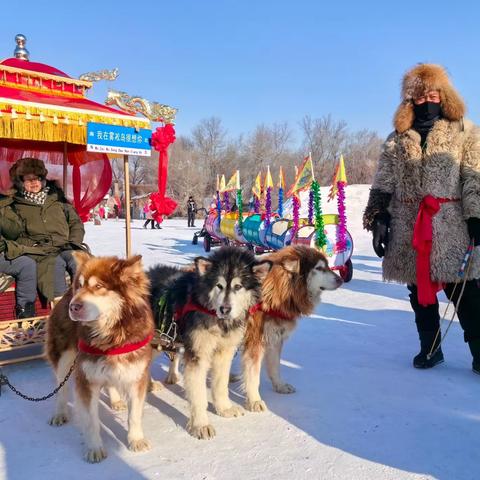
[(226, 201), (342, 218), (268, 206), (256, 205), (296, 214)]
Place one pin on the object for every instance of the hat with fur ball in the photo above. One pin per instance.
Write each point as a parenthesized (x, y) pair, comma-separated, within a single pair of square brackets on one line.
[(26, 166), (417, 82)]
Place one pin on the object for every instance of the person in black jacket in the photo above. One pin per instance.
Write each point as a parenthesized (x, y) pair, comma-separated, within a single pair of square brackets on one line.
[(191, 211)]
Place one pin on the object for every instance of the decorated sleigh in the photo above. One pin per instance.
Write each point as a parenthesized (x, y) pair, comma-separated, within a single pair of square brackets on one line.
[(44, 114)]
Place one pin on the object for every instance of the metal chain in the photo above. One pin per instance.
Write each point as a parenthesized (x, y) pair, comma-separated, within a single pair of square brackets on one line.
[(4, 381)]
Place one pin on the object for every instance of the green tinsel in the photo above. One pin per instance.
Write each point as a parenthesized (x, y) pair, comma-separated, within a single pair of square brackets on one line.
[(321, 239), (240, 209)]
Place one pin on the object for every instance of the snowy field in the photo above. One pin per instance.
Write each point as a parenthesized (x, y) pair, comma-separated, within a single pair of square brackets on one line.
[(360, 412)]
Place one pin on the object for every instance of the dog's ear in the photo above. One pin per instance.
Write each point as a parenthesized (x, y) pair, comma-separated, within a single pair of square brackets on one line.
[(261, 269), (81, 258), (128, 268), (291, 265), (202, 265)]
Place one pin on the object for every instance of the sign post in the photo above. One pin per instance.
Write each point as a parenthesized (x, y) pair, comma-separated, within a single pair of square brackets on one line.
[(116, 139)]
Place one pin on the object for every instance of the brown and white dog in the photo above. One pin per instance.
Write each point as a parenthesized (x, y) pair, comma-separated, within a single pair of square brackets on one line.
[(290, 290), (105, 319)]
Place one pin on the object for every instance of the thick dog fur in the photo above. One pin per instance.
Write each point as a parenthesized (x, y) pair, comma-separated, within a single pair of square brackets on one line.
[(292, 288), (228, 284), (107, 307)]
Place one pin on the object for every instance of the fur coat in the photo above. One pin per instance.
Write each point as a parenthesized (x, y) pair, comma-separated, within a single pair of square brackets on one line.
[(448, 167)]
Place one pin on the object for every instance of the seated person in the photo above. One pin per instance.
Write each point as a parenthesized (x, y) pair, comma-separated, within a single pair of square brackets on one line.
[(51, 225), (21, 267)]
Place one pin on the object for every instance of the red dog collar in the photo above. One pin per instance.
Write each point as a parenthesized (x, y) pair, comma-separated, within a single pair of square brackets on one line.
[(271, 313), (127, 348), (192, 307)]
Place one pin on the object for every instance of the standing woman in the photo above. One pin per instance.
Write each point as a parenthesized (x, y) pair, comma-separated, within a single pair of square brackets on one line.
[(424, 206), (50, 223)]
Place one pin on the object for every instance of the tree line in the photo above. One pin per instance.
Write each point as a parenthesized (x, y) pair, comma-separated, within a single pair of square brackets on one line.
[(197, 158)]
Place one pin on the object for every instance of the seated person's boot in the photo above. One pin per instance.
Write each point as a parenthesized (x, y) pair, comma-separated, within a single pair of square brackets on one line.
[(26, 311)]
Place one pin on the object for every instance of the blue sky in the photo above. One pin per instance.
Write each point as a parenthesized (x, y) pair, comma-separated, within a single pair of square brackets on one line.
[(250, 62)]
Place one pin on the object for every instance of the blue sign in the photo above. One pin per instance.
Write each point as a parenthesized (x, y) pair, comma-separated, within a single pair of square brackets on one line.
[(117, 139)]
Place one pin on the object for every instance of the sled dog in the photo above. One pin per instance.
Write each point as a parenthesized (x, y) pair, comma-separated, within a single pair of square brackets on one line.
[(290, 290), (104, 321), (210, 306)]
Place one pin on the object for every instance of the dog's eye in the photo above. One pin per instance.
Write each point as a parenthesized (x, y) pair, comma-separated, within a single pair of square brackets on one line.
[(219, 286), (320, 269), (237, 287), (98, 286)]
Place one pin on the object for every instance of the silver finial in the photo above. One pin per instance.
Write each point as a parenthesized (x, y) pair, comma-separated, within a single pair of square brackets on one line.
[(20, 51)]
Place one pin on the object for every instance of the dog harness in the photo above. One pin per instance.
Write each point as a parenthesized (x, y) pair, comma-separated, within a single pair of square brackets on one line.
[(126, 348), (271, 313), (422, 244)]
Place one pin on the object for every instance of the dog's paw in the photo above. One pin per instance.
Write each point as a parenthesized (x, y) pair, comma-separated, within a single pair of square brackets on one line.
[(231, 412), (172, 378), (154, 386), (256, 406), (95, 455), (118, 406), (140, 445), (58, 420), (284, 388), (206, 432)]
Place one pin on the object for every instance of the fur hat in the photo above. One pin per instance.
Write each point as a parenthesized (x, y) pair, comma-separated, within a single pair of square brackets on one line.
[(417, 82), (26, 166)]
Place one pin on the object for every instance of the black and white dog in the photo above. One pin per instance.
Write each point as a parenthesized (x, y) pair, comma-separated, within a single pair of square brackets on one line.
[(211, 306)]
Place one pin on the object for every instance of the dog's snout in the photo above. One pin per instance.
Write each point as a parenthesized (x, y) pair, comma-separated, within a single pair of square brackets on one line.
[(76, 307), (225, 309)]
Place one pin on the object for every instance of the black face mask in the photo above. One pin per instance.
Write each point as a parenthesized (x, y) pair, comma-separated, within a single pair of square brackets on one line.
[(427, 111)]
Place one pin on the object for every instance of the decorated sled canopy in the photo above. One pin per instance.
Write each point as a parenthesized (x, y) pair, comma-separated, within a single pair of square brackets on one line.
[(44, 113)]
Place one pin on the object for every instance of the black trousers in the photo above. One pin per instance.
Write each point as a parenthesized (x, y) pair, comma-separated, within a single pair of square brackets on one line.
[(148, 221), (191, 218), (468, 311)]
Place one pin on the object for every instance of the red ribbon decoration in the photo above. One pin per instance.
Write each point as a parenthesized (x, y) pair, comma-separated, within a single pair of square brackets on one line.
[(422, 243), (162, 138)]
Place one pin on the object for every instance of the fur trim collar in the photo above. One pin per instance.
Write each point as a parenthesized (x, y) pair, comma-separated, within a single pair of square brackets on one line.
[(420, 80)]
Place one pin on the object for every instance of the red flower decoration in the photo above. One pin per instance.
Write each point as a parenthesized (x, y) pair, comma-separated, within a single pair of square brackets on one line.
[(162, 137)]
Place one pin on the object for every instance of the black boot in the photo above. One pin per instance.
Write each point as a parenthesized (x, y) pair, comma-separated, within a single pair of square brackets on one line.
[(475, 349), (27, 311), (422, 360)]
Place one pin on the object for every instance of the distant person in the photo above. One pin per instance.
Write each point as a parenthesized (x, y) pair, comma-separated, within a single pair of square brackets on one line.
[(191, 211), (147, 209), (424, 207)]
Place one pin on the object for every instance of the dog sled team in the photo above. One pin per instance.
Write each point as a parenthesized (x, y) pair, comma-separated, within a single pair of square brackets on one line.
[(226, 302)]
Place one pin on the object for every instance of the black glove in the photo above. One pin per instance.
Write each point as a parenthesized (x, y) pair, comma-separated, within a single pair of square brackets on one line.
[(473, 225), (381, 226), (3, 245)]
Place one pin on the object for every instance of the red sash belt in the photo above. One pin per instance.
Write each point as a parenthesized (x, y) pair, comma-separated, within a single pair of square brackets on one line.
[(422, 243), (127, 348)]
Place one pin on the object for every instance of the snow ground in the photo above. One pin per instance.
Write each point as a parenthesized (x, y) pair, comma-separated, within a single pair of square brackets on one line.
[(360, 411)]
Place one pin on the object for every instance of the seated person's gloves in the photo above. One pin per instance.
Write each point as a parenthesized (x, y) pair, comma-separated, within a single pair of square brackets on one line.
[(380, 233), (473, 225)]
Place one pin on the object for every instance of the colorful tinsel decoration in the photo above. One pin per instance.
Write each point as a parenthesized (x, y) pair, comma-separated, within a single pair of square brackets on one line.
[(226, 201), (280, 202), (310, 206), (342, 218), (219, 205), (268, 206), (296, 214), (240, 209), (320, 238)]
